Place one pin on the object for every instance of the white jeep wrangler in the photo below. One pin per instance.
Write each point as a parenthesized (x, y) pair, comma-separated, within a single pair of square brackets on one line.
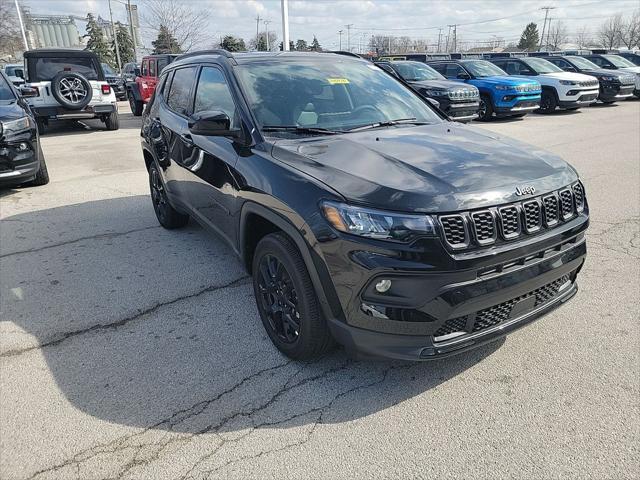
[(69, 84), (560, 89)]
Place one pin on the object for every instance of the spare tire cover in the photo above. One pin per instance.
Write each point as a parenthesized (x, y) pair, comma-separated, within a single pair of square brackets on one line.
[(72, 90)]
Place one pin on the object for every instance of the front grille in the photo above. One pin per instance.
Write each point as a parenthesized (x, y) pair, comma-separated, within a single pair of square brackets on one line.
[(501, 312), (532, 216), (590, 96), (483, 227), (589, 83), (455, 231)]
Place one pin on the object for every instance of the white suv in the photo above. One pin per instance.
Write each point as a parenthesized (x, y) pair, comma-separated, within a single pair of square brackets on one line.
[(69, 84), (560, 89)]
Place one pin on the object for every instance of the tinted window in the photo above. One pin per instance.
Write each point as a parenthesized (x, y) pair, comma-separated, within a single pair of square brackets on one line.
[(145, 68), (416, 71), (583, 63), (601, 62), (152, 68), (6, 93), (441, 68), (107, 69), (49, 67), (541, 65), (482, 68), (452, 70), (619, 61), (179, 96), (14, 71), (560, 62), (213, 93), (162, 62)]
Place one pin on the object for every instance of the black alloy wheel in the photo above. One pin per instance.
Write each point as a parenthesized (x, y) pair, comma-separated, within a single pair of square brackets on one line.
[(279, 299), (167, 216)]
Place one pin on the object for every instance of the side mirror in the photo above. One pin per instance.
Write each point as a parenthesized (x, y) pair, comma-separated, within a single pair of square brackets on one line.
[(212, 124), (463, 76), (570, 69), (136, 72), (20, 74), (28, 92), (433, 102)]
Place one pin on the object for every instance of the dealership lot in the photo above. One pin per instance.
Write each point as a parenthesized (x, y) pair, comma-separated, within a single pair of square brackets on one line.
[(129, 351)]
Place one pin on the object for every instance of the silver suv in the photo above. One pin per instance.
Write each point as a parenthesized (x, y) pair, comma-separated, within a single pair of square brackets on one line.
[(69, 84)]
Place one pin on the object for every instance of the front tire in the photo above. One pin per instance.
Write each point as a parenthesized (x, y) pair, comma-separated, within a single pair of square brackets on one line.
[(548, 102), (485, 111), (136, 105), (42, 177), (168, 216), (286, 300)]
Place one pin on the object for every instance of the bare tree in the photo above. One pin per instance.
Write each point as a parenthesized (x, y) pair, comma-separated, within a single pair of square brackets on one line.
[(10, 36), (609, 33), (185, 23), (583, 37), (630, 31), (557, 35)]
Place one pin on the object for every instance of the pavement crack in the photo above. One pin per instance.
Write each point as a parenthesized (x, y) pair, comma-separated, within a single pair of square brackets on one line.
[(77, 240), (124, 321)]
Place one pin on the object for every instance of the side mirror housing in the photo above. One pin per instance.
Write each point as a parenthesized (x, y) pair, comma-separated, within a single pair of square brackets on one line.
[(463, 76), (28, 92), (212, 124), (136, 72), (433, 102)]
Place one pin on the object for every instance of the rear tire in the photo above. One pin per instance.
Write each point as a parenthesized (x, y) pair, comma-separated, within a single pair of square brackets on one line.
[(41, 125), (286, 300), (485, 112), (112, 121), (548, 102), (168, 216), (136, 105), (42, 177)]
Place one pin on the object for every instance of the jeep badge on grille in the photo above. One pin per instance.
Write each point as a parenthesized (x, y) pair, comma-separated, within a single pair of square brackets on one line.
[(525, 190)]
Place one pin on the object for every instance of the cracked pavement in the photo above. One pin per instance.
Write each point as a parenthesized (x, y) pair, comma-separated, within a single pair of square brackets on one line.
[(132, 352)]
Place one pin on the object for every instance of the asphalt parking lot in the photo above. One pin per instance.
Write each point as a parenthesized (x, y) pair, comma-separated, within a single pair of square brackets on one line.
[(129, 351)]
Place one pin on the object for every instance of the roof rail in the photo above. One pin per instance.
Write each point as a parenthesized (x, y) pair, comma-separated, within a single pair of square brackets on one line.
[(344, 52), (575, 52), (215, 51), (604, 51)]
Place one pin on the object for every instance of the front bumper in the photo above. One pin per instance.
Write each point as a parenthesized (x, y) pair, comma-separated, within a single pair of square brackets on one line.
[(461, 111), (18, 166), (615, 91), (510, 104), (90, 111), (581, 99)]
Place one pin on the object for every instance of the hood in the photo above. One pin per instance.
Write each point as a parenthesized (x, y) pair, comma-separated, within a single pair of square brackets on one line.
[(10, 110), (576, 77), (442, 84), (432, 168), (602, 72), (504, 80), (630, 69)]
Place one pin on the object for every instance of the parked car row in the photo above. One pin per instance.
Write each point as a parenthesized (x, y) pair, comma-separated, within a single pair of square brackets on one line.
[(548, 81)]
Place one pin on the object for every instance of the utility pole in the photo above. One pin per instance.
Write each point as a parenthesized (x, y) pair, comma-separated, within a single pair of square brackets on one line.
[(439, 38), (389, 44), (340, 41), (24, 34), (258, 32), (455, 37), (349, 36), (546, 14), (133, 35), (285, 25), (115, 38), (446, 47), (266, 27)]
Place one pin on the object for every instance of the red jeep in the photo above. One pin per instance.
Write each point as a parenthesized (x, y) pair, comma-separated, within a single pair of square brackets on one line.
[(141, 89)]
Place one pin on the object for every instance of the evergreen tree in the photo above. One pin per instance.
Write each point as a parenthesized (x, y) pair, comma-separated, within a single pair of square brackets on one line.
[(315, 45), (292, 47), (165, 43), (97, 43), (301, 45), (530, 38), (233, 44), (125, 44)]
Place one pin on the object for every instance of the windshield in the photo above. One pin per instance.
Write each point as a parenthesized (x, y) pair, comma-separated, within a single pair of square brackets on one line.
[(619, 61), (333, 94), (6, 92), (416, 71), (482, 68), (14, 71), (583, 63), (541, 65), (48, 67), (107, 69)]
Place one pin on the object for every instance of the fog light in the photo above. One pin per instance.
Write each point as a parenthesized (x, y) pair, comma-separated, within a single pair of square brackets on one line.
[(22, 147), (383, 286)]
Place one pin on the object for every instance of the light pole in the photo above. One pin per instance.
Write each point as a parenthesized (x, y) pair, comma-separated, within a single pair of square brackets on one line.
[(115, 39), (24, 34), (285, 25), (266, 27), (340, 41)]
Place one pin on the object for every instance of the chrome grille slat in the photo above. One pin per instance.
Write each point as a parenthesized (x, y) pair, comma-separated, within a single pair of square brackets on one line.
[(478, 228)]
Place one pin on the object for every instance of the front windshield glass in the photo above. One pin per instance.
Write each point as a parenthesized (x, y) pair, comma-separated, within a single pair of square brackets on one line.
[(416, 71), (14, 71), (107, 69), (619, 61), (6, 93), (333, 94), (583, 63), (542, 66), (482, 68)]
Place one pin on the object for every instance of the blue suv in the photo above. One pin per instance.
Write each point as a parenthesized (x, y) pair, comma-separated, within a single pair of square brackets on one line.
[(500, 94)]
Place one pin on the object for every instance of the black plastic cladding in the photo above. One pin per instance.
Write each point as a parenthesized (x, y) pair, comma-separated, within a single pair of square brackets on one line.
[(529, 216)]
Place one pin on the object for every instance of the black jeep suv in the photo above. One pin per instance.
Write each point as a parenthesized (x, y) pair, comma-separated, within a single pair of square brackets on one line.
[(459, 101), (362, 214)]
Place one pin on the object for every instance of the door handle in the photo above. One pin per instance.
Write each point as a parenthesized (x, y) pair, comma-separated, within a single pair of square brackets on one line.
[(186, 138)]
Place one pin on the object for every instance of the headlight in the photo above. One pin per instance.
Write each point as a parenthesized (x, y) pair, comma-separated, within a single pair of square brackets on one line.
[(503, 87), (14, 127), (436, 93), (377, 224), (568, 82), (608, 78)]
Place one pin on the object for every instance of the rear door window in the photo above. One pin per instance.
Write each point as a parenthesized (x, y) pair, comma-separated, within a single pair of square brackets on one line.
[(213, 93), (6, 92), (152, 68), (452, 70), (145, 68), (48, 67), (179, 97)]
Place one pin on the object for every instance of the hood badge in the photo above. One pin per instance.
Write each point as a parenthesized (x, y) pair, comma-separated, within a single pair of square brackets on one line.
[(525, 190)]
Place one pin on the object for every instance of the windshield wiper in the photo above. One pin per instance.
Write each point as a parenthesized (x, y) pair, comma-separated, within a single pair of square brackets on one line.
[(389, 123), (299, 129)]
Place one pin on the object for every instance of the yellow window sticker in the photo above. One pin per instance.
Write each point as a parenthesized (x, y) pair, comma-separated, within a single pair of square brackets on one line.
[(337, 81)]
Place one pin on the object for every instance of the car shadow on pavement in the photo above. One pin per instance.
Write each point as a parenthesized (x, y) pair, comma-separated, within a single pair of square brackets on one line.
[(76, 127), (158, 329)]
